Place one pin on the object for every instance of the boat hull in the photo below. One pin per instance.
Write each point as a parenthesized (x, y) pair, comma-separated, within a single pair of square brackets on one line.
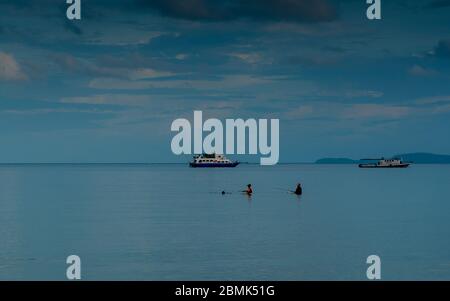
[(213, 165), (381, 166)]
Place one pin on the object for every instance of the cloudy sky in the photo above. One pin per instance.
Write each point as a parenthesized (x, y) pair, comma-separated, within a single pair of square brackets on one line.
[(106, 88)]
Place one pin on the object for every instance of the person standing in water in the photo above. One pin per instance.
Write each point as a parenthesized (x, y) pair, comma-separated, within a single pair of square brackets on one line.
[(298, 189), (249, 190)]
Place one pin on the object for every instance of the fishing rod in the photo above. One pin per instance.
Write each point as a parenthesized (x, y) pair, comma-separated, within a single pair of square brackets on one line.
[(223, 192), (285, 190)]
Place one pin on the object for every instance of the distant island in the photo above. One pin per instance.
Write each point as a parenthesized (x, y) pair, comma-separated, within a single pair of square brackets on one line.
[(417, 158)]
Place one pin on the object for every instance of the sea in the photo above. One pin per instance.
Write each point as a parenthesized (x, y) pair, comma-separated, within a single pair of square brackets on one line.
[(171, 222)]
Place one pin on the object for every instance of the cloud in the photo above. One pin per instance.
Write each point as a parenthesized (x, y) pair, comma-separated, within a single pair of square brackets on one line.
[(249, 58), (300, 112), (434, 100), (226, 82), (197, 10), (350, 94), (122, 36), (311, 60), (439, 4), (417, 70), (109, 99), (55, 111), (109, 67), (147, 73), (9, 68), (442, 49), (375, 110), (331, 111), (258, 10), (181, 56)]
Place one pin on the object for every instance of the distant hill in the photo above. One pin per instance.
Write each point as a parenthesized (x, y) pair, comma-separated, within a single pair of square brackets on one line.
[(417, 158), (425, 158)]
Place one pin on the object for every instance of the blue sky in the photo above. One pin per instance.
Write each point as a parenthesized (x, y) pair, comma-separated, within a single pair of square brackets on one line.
[(106, 88)]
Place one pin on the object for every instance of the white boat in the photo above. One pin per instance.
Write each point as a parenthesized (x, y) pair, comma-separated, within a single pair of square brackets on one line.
[(212, 160), (385, 163)]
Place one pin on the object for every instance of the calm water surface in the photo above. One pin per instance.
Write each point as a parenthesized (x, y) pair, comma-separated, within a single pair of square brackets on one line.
[(169, 222)]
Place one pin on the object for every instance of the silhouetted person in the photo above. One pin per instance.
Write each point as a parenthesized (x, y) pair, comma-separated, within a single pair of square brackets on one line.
[(298, 189), (249, 189)]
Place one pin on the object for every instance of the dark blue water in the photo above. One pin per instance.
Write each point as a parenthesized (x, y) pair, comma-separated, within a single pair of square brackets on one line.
[(169, 222)]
